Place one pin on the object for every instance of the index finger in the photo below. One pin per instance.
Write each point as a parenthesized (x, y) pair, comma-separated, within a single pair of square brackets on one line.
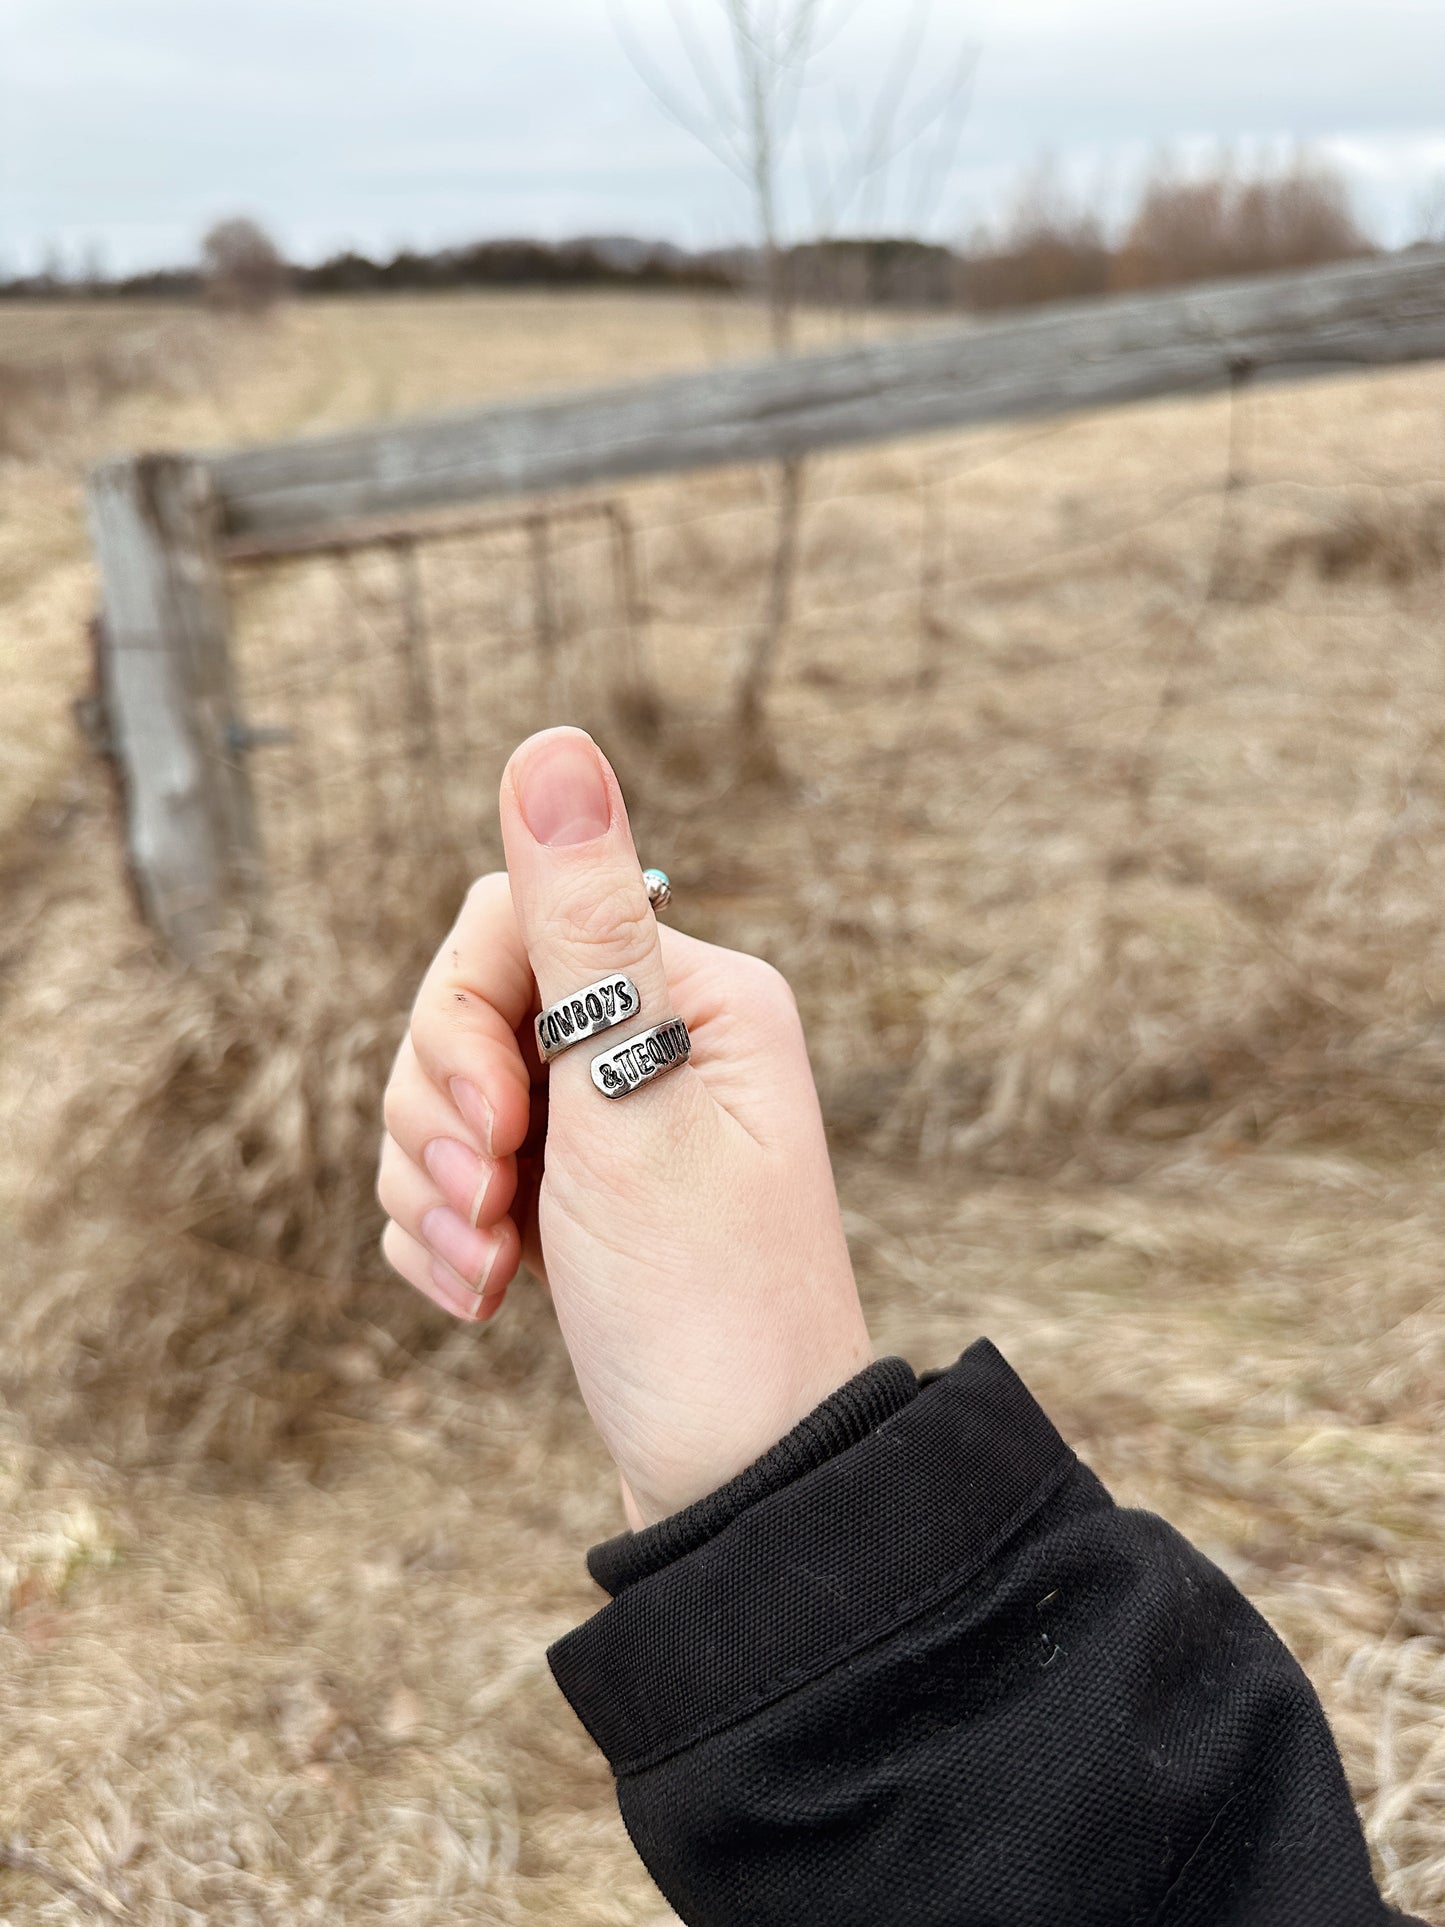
[(475, 997)]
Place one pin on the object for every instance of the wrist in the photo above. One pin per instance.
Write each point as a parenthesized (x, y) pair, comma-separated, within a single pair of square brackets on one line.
[(776, 1409), (847, 1418)]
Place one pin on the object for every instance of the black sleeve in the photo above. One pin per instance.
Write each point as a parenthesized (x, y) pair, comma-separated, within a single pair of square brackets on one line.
[(917, 1667)]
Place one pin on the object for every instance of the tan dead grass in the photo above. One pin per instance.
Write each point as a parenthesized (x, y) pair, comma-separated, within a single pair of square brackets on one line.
[(1108, 877)]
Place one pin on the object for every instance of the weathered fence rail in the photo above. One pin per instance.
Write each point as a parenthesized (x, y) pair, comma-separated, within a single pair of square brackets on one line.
[(1085, 355), (163, 525)]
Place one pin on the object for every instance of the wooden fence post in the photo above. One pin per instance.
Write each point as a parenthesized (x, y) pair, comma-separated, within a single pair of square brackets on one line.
[(167, 692)]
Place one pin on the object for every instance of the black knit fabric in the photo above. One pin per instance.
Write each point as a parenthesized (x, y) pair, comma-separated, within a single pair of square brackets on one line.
[(938, 1677), (853, 1411)]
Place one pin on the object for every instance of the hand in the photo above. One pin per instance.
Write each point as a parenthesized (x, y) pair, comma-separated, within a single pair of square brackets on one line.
[(689, 1232)]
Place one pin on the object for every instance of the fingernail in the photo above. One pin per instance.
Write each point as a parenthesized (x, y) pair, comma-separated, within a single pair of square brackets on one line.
[(454, 1294), (562, 790), (469, 1252), (476, 1110), (459, 1174)]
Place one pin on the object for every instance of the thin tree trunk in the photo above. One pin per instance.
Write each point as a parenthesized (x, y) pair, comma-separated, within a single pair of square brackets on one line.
[(760, 667), (762, 661)]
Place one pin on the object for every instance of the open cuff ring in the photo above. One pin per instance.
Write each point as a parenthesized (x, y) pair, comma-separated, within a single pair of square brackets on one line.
[(628, 1066), (612, 1000)]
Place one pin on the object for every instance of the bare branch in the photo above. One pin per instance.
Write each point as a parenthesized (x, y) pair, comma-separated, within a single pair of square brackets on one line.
[(750, 125), (672, 104), (933, 159), (897, 79), (833, 26), (723, 110)]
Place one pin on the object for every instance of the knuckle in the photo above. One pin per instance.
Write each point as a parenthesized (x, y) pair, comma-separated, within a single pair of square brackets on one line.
[(386, 1186), (393, 1108), (464, 1014), (441, 1016), (394, 1253), (772, 988), (430, 1036), (483, 887), (616, 920)]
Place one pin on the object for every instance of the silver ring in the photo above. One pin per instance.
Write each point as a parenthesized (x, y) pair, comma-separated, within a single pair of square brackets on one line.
[(611, 1000), (659, 888), (627, 1067)]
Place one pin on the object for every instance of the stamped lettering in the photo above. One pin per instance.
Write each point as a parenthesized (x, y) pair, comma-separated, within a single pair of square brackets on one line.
[(585, 1014), (627, 1066)]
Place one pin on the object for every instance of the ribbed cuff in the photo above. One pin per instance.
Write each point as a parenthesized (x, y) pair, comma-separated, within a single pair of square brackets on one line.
[(813, 1571), (841, 1421)]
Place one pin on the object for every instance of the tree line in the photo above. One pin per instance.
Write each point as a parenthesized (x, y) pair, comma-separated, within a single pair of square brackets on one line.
[(1046, 247)]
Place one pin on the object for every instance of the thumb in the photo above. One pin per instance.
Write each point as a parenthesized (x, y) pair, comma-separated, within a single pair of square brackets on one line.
[(577, 888)]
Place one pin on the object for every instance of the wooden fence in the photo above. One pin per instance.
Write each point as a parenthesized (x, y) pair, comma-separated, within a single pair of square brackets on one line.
[(165, 525)]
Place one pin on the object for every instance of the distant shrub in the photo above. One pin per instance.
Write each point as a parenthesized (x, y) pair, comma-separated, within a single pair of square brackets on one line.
[(1049, 248), (1228, 224), (242, 268)]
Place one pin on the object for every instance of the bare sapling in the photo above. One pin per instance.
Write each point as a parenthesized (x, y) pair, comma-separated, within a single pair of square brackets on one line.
[(748, 116)]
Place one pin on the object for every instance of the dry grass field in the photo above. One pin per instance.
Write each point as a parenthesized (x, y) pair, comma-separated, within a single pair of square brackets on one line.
[(1107, 860)]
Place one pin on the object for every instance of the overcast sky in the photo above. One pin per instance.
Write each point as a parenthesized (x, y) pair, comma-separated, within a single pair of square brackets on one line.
[(128, 125)]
